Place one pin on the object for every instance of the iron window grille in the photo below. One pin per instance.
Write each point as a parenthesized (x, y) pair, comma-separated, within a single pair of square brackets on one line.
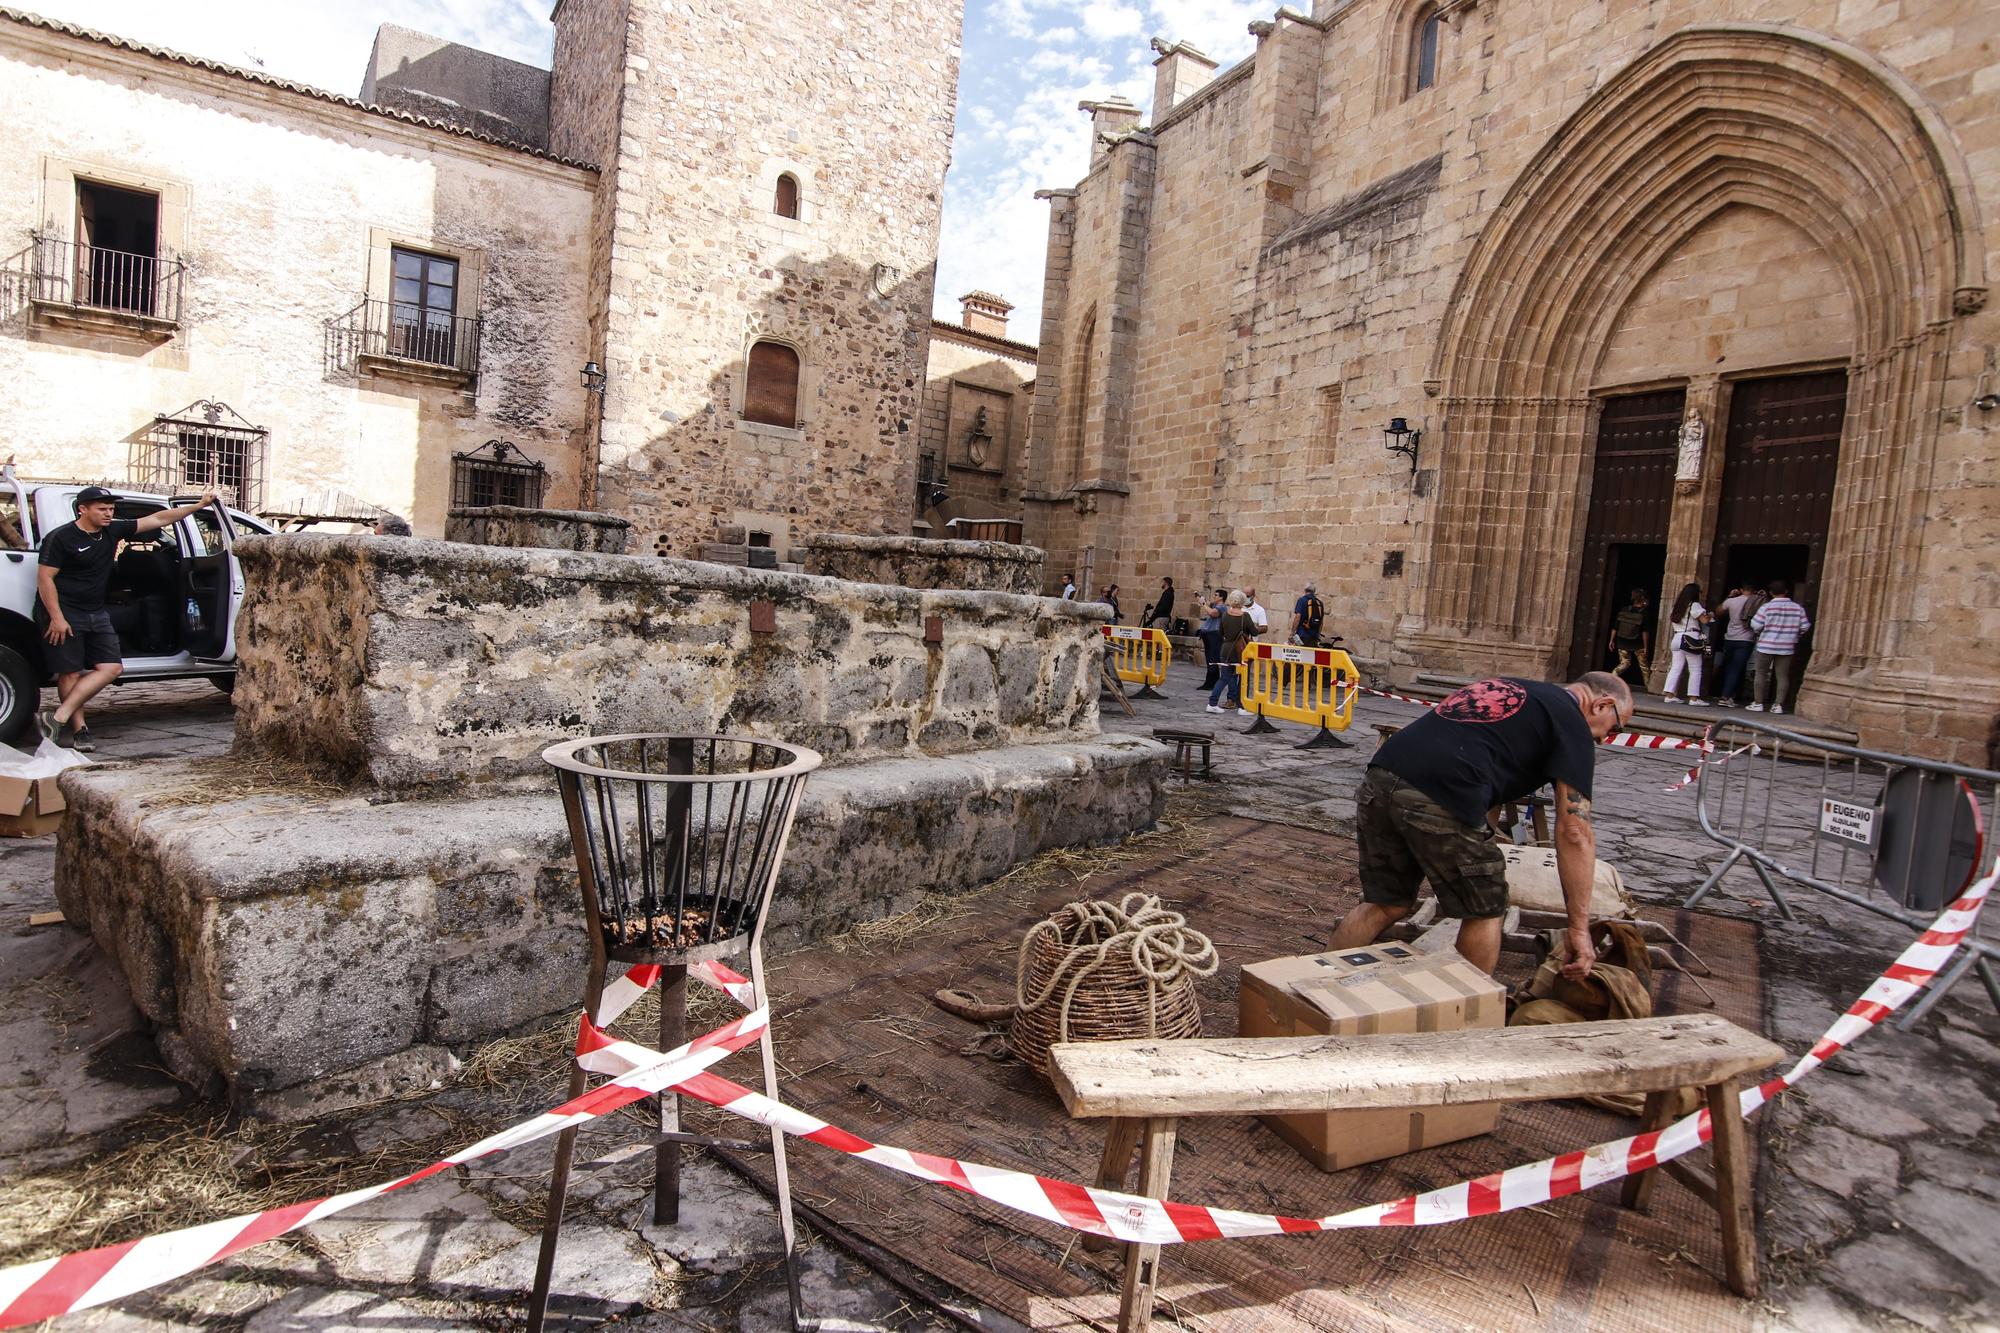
[(497, 473), (206, 445), (92, 277)]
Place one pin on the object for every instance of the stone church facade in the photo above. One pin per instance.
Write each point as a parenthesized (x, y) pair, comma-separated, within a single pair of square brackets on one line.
[(325, 302), (1664, 292)]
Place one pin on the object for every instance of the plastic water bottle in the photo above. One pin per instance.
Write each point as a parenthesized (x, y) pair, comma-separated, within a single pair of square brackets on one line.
[(194, 615)]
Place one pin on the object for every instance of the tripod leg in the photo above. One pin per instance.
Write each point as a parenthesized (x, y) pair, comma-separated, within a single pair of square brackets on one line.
[(667, 1157), (545, 1262)]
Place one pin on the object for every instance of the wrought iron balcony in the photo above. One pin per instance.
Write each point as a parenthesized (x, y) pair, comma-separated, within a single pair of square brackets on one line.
[(397, 338), (89, 284)]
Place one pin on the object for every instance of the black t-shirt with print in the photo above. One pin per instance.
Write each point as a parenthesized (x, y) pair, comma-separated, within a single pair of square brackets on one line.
[(1492, 742), (82, 561)]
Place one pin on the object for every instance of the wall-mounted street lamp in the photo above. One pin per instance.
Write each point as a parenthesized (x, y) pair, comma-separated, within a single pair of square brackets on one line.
[(593, 383), (1400, 439)]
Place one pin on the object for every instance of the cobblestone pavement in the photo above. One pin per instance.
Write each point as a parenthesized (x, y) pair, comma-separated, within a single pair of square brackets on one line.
[(1877, 1189)]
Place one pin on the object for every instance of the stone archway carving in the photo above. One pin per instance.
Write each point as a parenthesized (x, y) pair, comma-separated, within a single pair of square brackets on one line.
[(1705, 120)]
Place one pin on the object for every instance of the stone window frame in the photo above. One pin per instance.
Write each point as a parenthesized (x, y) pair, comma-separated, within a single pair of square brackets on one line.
[(378, 284), (761, 198), (1426, 26), (1401, 33), (58, 212), (739, 386)]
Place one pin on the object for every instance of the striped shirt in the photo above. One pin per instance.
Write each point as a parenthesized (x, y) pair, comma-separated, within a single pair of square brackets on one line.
[(1779, 625)]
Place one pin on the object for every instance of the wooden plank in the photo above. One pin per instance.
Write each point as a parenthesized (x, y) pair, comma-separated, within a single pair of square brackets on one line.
[(1142, 1262), (1287, 1074), (1731, 1147)]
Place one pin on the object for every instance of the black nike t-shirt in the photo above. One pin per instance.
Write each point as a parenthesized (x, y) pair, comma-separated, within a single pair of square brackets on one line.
[(1492, 742), (82, 561)]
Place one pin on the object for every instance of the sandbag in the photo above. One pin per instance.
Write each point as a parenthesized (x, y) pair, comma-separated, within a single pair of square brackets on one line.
[(1533, 884)]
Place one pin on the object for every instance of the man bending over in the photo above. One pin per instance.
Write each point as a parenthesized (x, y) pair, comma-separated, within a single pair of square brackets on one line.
[(76, 563), (1420, 813)]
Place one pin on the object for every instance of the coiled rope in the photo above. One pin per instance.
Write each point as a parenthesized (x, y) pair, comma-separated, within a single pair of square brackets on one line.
[(1162, 947)]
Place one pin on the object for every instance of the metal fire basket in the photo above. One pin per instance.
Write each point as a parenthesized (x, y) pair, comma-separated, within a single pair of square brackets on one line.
[(679, 840)]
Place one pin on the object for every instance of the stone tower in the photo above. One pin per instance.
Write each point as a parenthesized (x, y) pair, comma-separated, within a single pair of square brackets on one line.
[(763, 249)]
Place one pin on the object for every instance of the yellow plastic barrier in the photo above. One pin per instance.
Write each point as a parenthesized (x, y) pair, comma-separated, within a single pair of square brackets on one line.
[(1140, 657), (1301, 685)]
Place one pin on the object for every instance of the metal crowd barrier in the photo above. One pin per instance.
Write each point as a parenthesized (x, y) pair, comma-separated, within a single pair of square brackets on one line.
[(1892, 834), (1140, 657), (1294, 684)]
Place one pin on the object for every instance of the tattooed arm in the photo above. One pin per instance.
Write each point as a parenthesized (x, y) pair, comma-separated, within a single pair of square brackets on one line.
[(1576, 866)]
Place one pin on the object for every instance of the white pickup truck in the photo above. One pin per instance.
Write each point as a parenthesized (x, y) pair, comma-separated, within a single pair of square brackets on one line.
[(173, 599)]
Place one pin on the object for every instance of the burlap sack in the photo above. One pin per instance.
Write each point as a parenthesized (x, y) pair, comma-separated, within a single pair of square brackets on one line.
[(1534, 886), (1619, 986)]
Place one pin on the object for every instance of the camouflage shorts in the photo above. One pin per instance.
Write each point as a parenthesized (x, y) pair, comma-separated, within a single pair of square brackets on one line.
[(1406, 838)]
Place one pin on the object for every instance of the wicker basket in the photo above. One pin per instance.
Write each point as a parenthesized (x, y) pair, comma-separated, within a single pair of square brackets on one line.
[(1088, 998)]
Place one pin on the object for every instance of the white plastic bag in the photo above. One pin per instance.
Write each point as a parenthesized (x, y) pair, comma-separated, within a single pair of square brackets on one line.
[(48, 760)]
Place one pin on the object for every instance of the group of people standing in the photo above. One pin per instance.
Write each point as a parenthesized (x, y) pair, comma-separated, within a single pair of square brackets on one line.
[(1760, 633)]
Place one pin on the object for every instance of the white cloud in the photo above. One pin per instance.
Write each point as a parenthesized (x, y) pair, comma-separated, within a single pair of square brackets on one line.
[(1107, 21), (1057, 36), (1221, 28), (325, 45)]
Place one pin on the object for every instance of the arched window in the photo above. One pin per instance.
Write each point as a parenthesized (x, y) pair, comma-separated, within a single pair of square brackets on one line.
[(786, 202), (1424, 58), (771, 391), (1078, 387)]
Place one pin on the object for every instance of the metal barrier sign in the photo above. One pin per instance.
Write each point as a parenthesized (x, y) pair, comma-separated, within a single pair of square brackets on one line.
[(1140, 657), (1296, 684), (1847, 822), (1891, 834)]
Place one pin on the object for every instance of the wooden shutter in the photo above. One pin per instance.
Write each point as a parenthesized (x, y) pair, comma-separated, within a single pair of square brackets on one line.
[(771, 395)]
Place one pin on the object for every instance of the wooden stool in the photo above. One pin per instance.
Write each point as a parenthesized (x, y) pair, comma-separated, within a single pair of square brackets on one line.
[(1185, 744)]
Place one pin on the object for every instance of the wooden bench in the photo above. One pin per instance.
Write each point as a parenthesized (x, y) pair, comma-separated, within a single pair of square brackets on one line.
[(1145, 1087)]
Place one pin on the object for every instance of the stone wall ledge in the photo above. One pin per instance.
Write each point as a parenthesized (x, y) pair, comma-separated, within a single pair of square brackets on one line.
[(923, 562), (398, 664), (325, 940), (923, 546)]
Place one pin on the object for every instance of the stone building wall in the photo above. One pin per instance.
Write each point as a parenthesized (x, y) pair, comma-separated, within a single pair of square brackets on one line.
[(279, 200), (865, 128), (964, 373), (547, 529), (1585, 203)]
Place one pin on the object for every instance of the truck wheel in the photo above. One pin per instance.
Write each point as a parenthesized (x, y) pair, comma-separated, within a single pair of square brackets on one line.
[(224, 681), (20, 693)]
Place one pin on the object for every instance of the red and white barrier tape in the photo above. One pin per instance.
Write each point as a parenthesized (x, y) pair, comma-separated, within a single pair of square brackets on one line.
[(1687, 779), (52, 1287)]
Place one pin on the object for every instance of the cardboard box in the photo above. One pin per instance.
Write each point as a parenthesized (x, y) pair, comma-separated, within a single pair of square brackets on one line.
[(29, 807), (1384, 988)]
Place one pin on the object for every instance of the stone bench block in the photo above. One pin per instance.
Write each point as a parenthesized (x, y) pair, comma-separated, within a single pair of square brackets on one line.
[(284, 944), (399, 664)]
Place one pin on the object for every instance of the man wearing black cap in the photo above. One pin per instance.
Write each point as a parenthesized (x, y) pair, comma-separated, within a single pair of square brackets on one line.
[(76, 563)]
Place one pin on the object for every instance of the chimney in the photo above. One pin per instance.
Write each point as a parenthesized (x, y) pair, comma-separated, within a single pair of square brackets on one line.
[(1114, 116), (1179, 73), (985, 313)]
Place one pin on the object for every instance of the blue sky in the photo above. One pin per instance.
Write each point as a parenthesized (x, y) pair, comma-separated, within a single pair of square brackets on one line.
[(1026, 65)]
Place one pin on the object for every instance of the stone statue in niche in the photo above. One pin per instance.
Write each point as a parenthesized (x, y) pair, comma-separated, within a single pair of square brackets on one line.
[(1694, 439)]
